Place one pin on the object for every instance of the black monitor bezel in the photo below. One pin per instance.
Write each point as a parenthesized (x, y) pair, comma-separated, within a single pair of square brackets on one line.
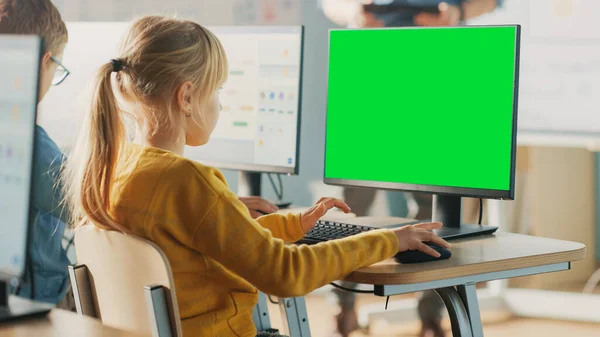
[(435, 189), (5, 275), (258, 168)]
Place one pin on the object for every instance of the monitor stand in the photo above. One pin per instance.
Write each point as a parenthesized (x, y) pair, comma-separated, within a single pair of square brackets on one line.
[(249, 184), (19, 308), (448, 209)]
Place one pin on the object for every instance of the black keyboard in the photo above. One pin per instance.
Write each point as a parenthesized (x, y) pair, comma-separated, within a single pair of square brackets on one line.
[(329, 230)]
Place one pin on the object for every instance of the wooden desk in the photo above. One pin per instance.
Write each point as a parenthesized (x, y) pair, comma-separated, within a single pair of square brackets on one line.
[(478, 259), (474, 256), (61, 323)]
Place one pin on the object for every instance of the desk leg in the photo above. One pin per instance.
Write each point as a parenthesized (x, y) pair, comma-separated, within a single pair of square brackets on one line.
[(294, 317), (468, 294), (260, 314), (459, 316)]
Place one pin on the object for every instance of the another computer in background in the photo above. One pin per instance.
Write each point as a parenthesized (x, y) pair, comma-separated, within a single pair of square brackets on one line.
[(19, 65), (429, 110), (259, 127)]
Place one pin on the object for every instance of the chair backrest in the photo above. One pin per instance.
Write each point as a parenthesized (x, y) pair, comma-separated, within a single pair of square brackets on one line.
[(122, 271)]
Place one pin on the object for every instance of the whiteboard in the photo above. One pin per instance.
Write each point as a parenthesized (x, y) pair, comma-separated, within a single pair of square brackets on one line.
[(559, 99)]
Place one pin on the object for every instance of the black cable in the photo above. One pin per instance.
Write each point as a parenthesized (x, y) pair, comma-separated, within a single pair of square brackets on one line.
[(70, 242), (352, 290), (480, 211), (387, 301), (29, 268), (280, 187), (278, 192), (17, 290), (272, 300)]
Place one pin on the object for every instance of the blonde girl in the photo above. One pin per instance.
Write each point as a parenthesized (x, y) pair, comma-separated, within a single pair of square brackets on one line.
[(168, 76)]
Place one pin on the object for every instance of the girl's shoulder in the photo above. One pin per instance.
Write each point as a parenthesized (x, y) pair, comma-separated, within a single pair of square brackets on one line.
[(211, 175), (186, 173)]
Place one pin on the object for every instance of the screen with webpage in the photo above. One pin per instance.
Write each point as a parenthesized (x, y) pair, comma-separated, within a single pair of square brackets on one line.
[(258, 125), (19, 62)]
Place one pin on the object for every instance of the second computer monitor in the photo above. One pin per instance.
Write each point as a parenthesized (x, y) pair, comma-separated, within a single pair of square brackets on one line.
[(424, 109), (259, 126)]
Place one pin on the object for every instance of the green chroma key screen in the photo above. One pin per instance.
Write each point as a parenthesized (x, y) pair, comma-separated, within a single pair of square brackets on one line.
[(422, 106)]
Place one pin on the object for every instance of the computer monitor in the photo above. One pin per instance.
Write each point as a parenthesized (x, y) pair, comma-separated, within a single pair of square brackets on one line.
[(259, 126), (19, 66), (425, 110)]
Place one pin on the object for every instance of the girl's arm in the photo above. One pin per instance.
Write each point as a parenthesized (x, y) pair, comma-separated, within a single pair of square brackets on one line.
[(285, 227), (232, 238), (204, 215)]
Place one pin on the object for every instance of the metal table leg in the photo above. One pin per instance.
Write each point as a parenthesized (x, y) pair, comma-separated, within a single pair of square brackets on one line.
[(468, 294), (294, 317), (260, 314), (459, 316)]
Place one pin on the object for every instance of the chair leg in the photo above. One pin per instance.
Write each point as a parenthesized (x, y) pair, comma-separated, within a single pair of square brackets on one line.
[(158, 310), (83, 291), (294, 317)]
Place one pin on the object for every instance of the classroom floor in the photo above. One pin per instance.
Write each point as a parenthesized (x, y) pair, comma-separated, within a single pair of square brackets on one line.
[(321, 311)]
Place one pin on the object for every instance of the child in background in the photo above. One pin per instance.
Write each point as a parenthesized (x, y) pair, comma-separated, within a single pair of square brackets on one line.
[(167, 78), (47, 277)]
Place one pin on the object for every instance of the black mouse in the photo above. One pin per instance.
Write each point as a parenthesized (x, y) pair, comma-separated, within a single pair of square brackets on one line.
[(282, 204), (417, 256)]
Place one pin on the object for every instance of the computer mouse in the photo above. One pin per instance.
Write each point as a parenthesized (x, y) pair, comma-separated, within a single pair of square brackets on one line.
[(283, 204), (417, 256), (261, 212)]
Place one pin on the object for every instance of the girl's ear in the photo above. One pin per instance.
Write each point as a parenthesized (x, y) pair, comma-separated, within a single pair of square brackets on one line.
[(184, 96)]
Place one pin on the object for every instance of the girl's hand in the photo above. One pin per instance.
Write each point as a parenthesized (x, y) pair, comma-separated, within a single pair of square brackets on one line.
[(412, 237), (258, 206), (310, 217)]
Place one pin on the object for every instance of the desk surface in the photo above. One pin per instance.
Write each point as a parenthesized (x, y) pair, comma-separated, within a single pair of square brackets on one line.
[(471, 256), (61, 323)]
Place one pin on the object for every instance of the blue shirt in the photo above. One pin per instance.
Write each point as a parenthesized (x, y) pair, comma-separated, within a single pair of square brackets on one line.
[(403, 18), (47, 256)]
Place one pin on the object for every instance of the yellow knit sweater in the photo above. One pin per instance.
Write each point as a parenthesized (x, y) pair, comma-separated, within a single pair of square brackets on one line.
[(220, 255)]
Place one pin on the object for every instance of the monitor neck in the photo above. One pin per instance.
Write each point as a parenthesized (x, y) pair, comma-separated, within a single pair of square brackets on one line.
[(447, 209), (249, 184), (4, 292)]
